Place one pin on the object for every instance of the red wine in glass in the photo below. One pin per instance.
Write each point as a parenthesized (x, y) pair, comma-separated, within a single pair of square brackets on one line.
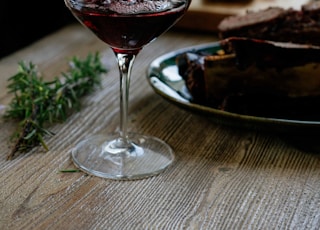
[(126, 26), (128, 32)]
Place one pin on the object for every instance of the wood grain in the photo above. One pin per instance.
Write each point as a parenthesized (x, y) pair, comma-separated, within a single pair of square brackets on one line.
[(223, 177)]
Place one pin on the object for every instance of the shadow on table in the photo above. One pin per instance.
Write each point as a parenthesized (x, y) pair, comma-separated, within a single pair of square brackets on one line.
[(24, 22)]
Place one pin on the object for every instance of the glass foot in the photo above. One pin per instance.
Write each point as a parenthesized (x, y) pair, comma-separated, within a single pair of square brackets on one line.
[(110, 157)]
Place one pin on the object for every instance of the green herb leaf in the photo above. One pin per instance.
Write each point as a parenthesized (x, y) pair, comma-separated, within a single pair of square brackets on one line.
[(37, 103)]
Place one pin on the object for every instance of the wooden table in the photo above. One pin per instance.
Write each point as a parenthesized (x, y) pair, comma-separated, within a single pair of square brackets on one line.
[(223, 177)]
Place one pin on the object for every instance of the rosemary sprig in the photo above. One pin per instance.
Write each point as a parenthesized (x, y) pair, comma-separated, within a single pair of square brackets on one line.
[(37, 104)]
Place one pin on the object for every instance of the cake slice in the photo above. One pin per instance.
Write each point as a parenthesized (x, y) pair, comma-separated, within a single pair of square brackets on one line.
[(252, 76), (276, 24)]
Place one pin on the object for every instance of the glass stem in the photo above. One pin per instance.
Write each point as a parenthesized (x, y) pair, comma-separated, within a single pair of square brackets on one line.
[(125, 63)]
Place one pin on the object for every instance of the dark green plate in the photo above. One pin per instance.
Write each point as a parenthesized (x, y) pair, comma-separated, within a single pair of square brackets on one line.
[(163, 76)]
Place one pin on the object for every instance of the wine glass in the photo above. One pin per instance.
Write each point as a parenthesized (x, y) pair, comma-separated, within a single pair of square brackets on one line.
[(126, 26)]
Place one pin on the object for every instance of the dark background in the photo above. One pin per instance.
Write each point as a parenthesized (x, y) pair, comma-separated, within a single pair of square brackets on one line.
[(24, 22)]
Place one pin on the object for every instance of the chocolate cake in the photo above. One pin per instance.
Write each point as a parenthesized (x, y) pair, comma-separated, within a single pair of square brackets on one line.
[(276, 24), (268, 65)]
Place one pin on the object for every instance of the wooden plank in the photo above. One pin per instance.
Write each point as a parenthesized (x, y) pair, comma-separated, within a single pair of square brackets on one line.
[(223, 177)]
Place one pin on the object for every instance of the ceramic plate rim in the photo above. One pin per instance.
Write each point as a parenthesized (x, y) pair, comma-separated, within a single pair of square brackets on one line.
[(174, 97)]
